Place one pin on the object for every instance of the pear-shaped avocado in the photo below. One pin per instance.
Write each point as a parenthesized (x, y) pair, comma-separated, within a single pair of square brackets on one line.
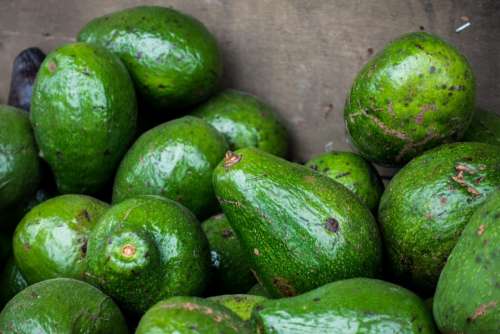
[(240, 304), (11, 281), (485, 128)]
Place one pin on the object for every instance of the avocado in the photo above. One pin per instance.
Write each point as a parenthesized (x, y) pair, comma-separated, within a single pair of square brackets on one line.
[(259, 290), (51, 240), (245, 121), (11, 282), (172, 57), (299, 228), (175, 160), (62, 305), (230, 268), (190, 315), (427, 204), (467, 298), (357, 305), (353, 172), (485, 128), (242, 305), (146, 249), (24, 70), (84, 114), (415, 94)]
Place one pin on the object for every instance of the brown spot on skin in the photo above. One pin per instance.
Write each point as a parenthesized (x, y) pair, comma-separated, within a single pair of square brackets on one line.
[(256, 252), (482, 310), (443, 200), (231, 159), (473, 191), (128, 250), (189, 306), (479, 180), (83, 216), (52, 67), (464, 168), (227, 233), (332, 225), (27, 246), (284, 287), (385, 129)]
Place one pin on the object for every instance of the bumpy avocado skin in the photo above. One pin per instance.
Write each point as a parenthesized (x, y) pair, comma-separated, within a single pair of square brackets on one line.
[(146, 249), (485, 128), (427, 204), (417, 93), (245, 121), (300, 229), (240, 304), (353, 172), (51, 240), (358, 305), (467, 298), (11, 281), (172, 57), (84, 114), (230, 268), (174, 160), (62, 305)]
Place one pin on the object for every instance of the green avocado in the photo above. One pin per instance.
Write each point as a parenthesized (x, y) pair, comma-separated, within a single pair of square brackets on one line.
[(84, 114), (242, 305), (259, 290), (230, 268), (51, 240), (11, 282), (415, 94), (245, 121), (146, 249), (62, 305), (353, 172), (174, 160), (467, 298), (485, 128), (357, 305), (172, 57), (427, 204), (299, 228), (190, 315)]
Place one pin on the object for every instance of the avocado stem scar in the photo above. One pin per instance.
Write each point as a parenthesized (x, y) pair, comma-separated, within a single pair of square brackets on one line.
[(128, 250), (230, 159)]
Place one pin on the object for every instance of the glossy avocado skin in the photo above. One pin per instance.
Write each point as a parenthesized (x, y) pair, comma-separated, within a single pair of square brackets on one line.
[(190, 315), (146, 249), (300, 229), (11, 281), (172, 58), (240, 304), (230, 267), (175, 160), (357, 305), (468, 292), (417, 93), (485, 128), (51, 240), (245, 121), (353, 172), (84, 115), (427, 204), (62, 305)]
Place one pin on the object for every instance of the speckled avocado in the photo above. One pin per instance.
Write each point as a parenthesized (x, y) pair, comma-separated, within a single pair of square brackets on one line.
[(242, 305), (300, 229), (172, 57), (427, 204), (62, 305), (174, 160), (415, 94), (11, 281), (84, 114), (358, 305), (353, 172), (245, 121), (467, 297), (485, 128)]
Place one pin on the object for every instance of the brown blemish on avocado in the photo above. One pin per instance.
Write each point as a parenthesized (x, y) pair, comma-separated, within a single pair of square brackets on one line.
[(231, 159), (83, 216), (284, 286), (481, 229), (52, 66), (482, 310), (332, 225), (385, 129)]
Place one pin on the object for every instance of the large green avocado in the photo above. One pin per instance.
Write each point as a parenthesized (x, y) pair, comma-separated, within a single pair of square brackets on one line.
[(51, 240), (417, 93), (357, 305), (84, 114), (485, 128), (145, 249), (175, 160), (427, 204), (11, 282), (62, 305), (467, 297), (245, 121), (172, 57), (299, 229), (240, 304)]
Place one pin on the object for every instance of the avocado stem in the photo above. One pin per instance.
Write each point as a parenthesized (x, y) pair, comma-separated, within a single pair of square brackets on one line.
[(128, 250), (230, 159)]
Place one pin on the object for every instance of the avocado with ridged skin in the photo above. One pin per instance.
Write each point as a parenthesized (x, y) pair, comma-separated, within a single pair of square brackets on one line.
[(62, 305), (484, 128), (11, 281), (415, 94), (259, 290), (298, 228), (240, 304), (467, 297), (83, 112), (427, 204)]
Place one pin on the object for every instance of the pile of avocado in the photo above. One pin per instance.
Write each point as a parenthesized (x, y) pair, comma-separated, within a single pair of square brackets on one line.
[(137, 196)]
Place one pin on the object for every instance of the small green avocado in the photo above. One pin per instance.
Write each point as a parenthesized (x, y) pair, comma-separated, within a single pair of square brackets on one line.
[(485, 128), (259, 290), (245, 121), (62, 305), (11, 282), (242, 305)]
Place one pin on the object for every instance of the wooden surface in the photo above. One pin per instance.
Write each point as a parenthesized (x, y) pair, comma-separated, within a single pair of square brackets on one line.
[(300, 56)]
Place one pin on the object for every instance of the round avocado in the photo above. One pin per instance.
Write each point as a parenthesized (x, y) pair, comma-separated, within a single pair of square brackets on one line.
[(485, 128), (242, 305), (245, 121), (427, 204), (84, 114), (51, 240), (62, 305), (172, 57), (415, 94), (11, 282)]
